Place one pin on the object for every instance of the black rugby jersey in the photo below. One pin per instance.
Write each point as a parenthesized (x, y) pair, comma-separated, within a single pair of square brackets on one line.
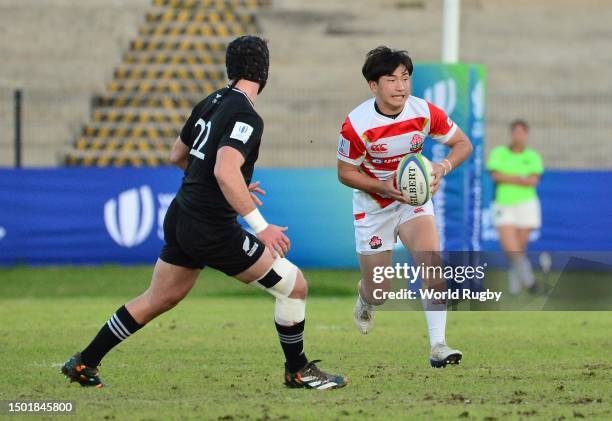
[(232, 122)]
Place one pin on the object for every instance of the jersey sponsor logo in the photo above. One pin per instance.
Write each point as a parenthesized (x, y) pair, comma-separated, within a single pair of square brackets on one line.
[(416, 143), (443, 94), (379, 148), (375, 242), (129, 217), (382, 161), (241, 132), (418, 210), (344, 147)]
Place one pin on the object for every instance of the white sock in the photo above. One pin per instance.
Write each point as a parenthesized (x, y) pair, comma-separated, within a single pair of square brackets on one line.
[(526, 272), (365, 304), (435, 313), (514, 282)]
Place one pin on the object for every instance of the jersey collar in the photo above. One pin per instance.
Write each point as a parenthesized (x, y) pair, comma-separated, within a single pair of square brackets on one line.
[(384, 117), (245, 95)]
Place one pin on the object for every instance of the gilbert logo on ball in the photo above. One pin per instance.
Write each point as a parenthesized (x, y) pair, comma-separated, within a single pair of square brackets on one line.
[(413, 177)]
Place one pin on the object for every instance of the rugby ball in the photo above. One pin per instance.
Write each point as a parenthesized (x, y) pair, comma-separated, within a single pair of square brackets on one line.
[(413, 179)]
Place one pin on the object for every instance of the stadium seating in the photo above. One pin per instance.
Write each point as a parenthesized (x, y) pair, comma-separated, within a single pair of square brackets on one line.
[(556, 78), (177, 58)]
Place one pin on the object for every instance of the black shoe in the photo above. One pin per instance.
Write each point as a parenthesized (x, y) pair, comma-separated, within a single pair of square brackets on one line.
[(310, 377), (538, 289), (76, 371)]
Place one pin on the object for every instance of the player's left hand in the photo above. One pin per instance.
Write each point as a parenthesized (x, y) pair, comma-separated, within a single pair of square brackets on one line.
[(254, 188), (275, 240), (437, 173)]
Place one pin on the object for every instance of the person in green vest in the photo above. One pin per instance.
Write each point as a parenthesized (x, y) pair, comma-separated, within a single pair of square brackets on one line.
[(516, 171)]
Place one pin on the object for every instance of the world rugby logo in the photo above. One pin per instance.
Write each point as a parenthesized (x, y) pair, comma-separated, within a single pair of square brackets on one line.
[(443, 94), (129, 218)]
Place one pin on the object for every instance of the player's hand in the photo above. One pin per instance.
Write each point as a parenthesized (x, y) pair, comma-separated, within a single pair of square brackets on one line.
[(389, 189), (275, 240), (254, 188), (437, 173)]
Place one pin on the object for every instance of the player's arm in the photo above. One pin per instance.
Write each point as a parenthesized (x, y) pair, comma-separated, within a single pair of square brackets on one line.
[(460, 150), (495, 165), (351, 176), (230, 179), (179, 154), (531, 180)]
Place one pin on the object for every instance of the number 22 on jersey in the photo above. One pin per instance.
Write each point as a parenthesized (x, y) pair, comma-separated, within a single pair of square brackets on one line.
[(196, 149)]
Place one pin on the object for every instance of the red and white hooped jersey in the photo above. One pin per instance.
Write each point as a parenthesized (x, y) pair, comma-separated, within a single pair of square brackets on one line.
[(377, 143)]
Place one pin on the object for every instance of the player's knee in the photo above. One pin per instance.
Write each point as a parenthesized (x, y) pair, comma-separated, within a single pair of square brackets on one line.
[(281, 279), (286, 282), (300, 289)]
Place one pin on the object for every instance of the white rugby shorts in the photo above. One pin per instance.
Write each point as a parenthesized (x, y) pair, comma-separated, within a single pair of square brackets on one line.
[(377, 230), (522, 215)]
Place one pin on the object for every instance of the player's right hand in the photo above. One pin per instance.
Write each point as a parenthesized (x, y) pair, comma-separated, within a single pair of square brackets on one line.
[(275, 240), (254, 188), (389, 189)]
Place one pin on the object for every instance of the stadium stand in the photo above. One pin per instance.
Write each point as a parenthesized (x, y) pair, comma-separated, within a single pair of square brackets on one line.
[(176, 59), (59, 53), (547, 65)]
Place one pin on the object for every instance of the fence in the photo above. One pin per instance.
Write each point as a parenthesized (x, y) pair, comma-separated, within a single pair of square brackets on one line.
[(50, 122), (571, 131)]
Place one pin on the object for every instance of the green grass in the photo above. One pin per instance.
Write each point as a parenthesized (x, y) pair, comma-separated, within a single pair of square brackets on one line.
[(216, 356)]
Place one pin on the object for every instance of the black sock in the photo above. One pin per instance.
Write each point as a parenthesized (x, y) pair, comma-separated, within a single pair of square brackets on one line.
[(116, 329), (292, 341)]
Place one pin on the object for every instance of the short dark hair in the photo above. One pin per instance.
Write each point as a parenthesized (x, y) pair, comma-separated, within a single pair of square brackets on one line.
[(519, 122), (382, 61)]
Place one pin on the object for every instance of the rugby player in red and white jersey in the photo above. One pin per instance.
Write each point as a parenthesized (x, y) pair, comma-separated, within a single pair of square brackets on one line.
[(374, 138)]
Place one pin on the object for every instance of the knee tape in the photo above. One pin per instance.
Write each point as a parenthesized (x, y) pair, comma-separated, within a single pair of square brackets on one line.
[(280, 279), (289, 311)]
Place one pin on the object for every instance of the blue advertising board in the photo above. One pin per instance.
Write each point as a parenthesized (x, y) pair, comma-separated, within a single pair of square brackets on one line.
[(459, 89), (95, 216), (115, 215)]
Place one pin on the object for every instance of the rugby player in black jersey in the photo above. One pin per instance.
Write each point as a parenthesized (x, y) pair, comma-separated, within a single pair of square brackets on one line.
[(217, 149)]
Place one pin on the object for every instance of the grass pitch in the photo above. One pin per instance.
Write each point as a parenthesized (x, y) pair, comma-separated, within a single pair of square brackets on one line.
[(216, 356)]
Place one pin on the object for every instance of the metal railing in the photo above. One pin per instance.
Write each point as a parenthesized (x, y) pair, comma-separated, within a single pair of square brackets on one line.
[(37, 127)]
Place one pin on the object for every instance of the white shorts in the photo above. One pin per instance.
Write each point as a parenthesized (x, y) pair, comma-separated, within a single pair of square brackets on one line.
[(522, 215), (377, 230)]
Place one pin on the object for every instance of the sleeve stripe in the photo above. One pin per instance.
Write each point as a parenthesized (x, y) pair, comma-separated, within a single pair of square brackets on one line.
[(445, 137), (349, 160), (350, 134)]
